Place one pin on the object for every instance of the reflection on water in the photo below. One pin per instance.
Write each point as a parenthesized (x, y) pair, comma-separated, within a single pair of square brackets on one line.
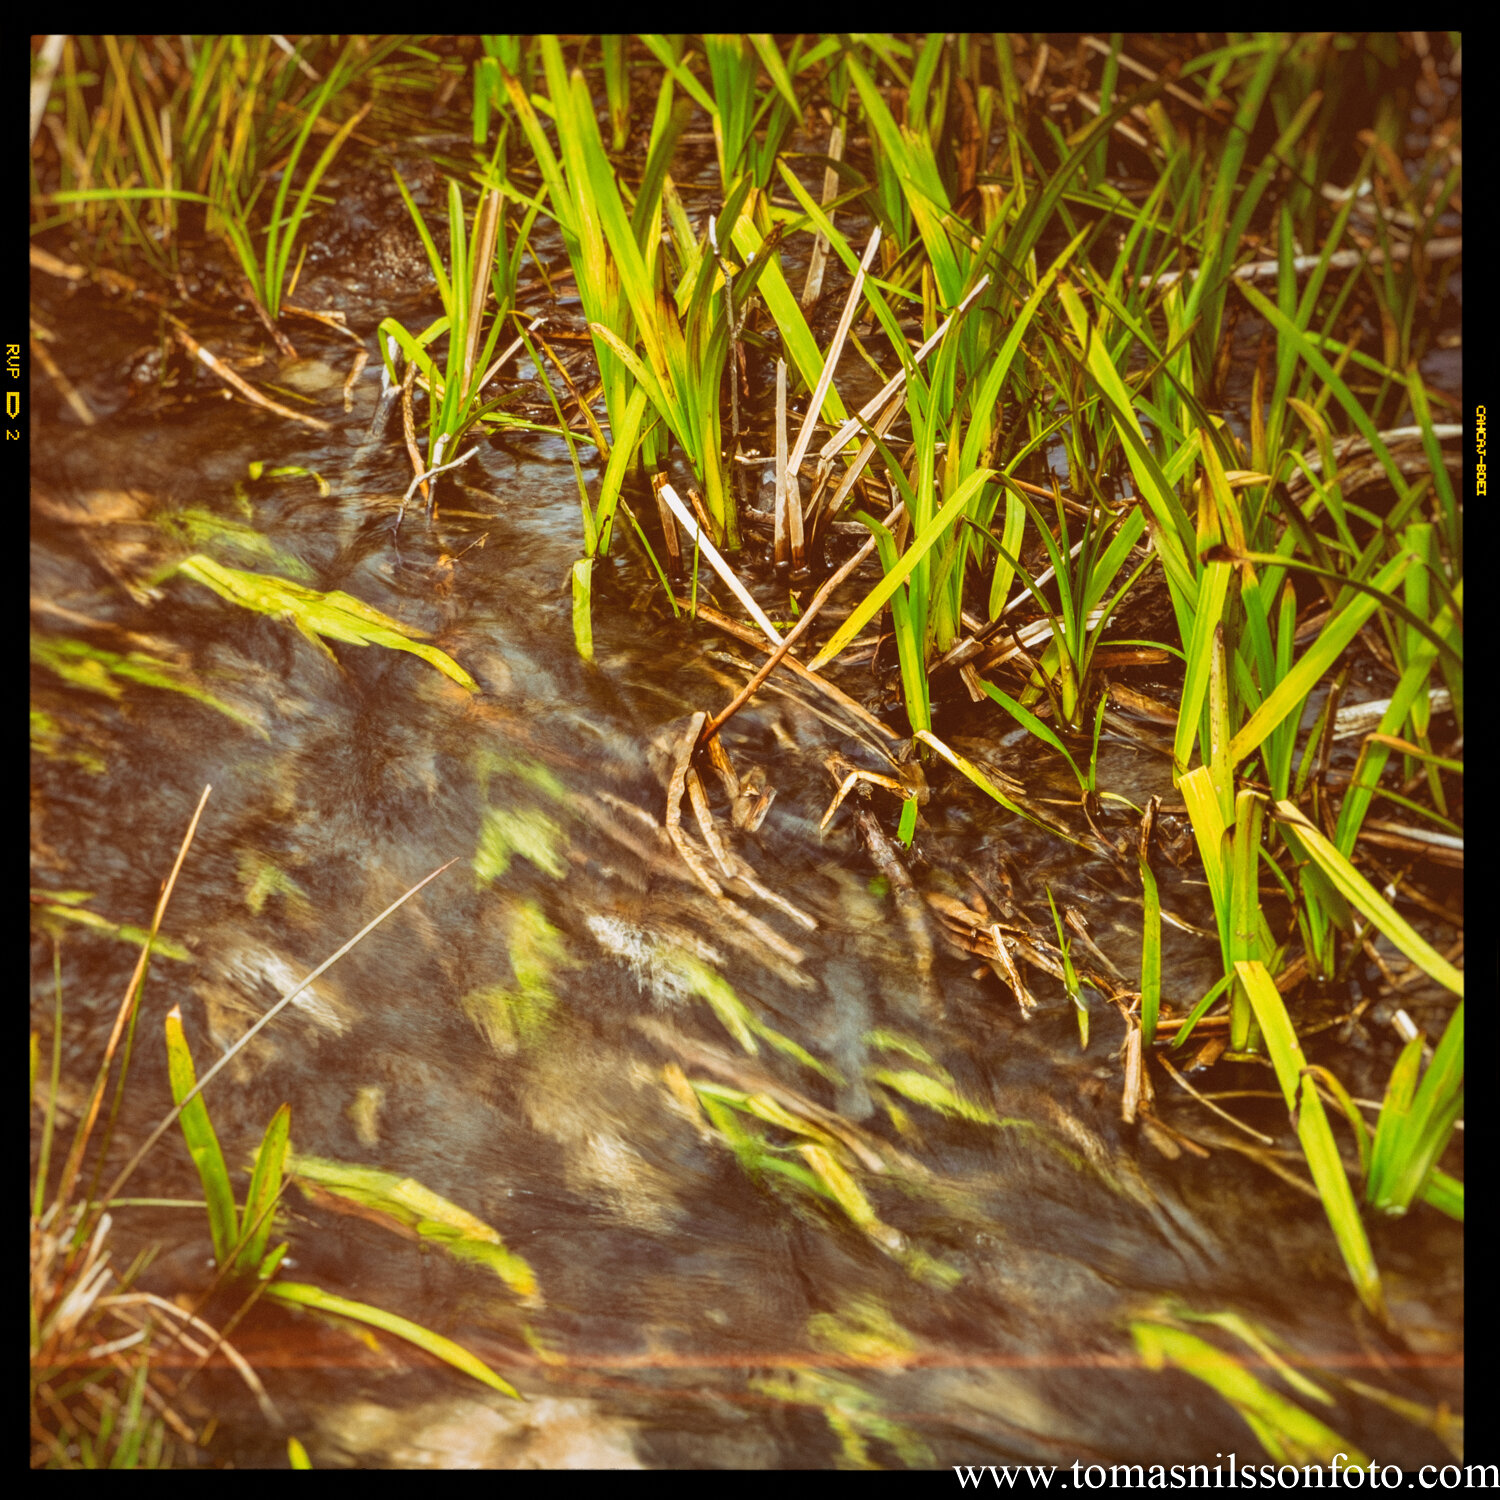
[(534, 1037)]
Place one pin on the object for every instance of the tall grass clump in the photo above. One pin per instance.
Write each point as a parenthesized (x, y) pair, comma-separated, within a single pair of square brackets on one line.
[(661, 316), (212, 121), (484, 262), (1123, 369)]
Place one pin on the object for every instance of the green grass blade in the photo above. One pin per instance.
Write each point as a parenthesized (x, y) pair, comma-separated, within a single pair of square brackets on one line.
[(1444, 1193), (1208, 615), (920, 546), (436, 1219), (299, 1294), (1416, 1123), (279, 254), (583, 623), (1346, 398), (973, 773), (1150, 953), (1315, 1134), (1319, 658), (96, 670), (908, 624), (1360, 893), (265, 1189), (336, 615), (1033, 725), (908, 826), (1286, 1432), (935, 1093), (202, 1142), (1209, 827), (1173, 536)]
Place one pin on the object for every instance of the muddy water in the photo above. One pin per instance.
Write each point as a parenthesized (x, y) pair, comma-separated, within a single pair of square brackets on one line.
[(688, 1313)]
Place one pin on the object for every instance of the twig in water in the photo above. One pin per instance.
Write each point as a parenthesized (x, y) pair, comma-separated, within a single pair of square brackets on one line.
[(245, 389), (421, 479), (80, 1141), (260, 1025)]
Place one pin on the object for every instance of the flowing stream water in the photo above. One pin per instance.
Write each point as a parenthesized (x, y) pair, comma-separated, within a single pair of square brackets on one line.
[(522, 1037)]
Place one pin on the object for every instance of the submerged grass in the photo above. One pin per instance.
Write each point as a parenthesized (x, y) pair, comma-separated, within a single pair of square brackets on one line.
[(335, 615)]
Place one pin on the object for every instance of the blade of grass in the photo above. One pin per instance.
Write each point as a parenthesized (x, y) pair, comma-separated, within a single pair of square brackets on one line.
[(920, 546), (265, 1190), (334, 614), (1358, 891), (300, 1294), (973, 773), (1288, 1434), (202, 1142), (1313, 1130), (1150, 937)]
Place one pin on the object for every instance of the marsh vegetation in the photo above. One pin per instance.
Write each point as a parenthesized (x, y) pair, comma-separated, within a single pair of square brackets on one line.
[(919, 579)]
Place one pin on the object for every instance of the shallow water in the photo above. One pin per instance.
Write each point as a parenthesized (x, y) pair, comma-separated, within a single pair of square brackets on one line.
[(687, 1313)]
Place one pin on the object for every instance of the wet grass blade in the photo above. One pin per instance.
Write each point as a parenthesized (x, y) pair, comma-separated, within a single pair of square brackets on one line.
[(583, 620), (64, 906), (315, 1299), (95, 670), (974, 774), (1070, 975), (908, 625), (920, 546), (1150, 934), (1350, 884), (1286, 1432), (1318, 659), (1035, 726), (936, 1093), (265, 1191), (409, 1202), (1299, 340), (1416, 1122), (336, 615), (202, 1142), (1313, 1130)]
